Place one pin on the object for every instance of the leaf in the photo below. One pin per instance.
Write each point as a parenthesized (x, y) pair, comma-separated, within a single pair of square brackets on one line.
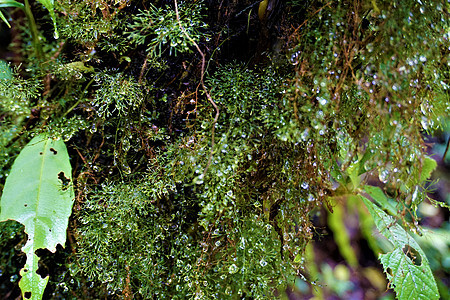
[(38, 193), (406, 266), (428, 167), (353, 173), (378, 195), (49, 5), (8, 3), (4, 19), (341, 236)]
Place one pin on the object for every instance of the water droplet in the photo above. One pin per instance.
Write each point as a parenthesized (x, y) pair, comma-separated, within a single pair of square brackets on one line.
[(199, 179), (263, 262), (305, 185), (305, 134), (126, 145), (322, 101), (242, 243), (228, 290), (383, 176), (126, 168), (232, 269)]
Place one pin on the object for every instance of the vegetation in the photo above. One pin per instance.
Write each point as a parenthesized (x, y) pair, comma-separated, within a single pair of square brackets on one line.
[(205, 136)]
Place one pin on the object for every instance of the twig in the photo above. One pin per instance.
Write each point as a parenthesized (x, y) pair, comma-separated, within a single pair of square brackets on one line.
[(203, 87)]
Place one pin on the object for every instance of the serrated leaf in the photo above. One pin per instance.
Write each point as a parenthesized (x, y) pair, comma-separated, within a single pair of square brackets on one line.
[(406, 266), (38, 193), (49, 5), (428, 167)]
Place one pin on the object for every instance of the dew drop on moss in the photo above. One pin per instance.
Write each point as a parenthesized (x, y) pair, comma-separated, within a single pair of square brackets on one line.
[(263, 262), (232, 269), (383, 176)]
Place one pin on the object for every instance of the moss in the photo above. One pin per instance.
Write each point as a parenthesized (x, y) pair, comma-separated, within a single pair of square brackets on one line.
[(165, 208)]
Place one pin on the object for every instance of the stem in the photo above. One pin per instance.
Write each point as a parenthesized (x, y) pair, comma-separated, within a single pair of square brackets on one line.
[(34, 32), (79, 100), (202, 74)]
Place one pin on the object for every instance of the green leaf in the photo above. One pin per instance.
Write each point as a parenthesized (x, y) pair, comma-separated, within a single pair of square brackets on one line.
[(353, 173), (341, 236), (428, 167), (4, 19), (38, 193), (8, 3), (367, 155), (49, 5), (406, 266), (378, 195)]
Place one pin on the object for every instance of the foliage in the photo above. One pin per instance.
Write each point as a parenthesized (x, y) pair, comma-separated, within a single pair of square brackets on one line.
[(406, 266), (158, 28), (168, 257), (87, 22), (42, 201), (328, 101), (116, 93), (9, 3), (49, 5), (16, 96)]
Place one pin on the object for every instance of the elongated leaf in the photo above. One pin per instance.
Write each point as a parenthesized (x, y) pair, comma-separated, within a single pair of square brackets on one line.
[(341, 236), (378, 195), (38, 193), (49, 5), (4, 19), (406, 266), (8, 3)]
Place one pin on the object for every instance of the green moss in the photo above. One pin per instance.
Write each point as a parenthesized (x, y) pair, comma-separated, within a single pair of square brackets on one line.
[(167, 210), (117, 94), (159, 30)]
